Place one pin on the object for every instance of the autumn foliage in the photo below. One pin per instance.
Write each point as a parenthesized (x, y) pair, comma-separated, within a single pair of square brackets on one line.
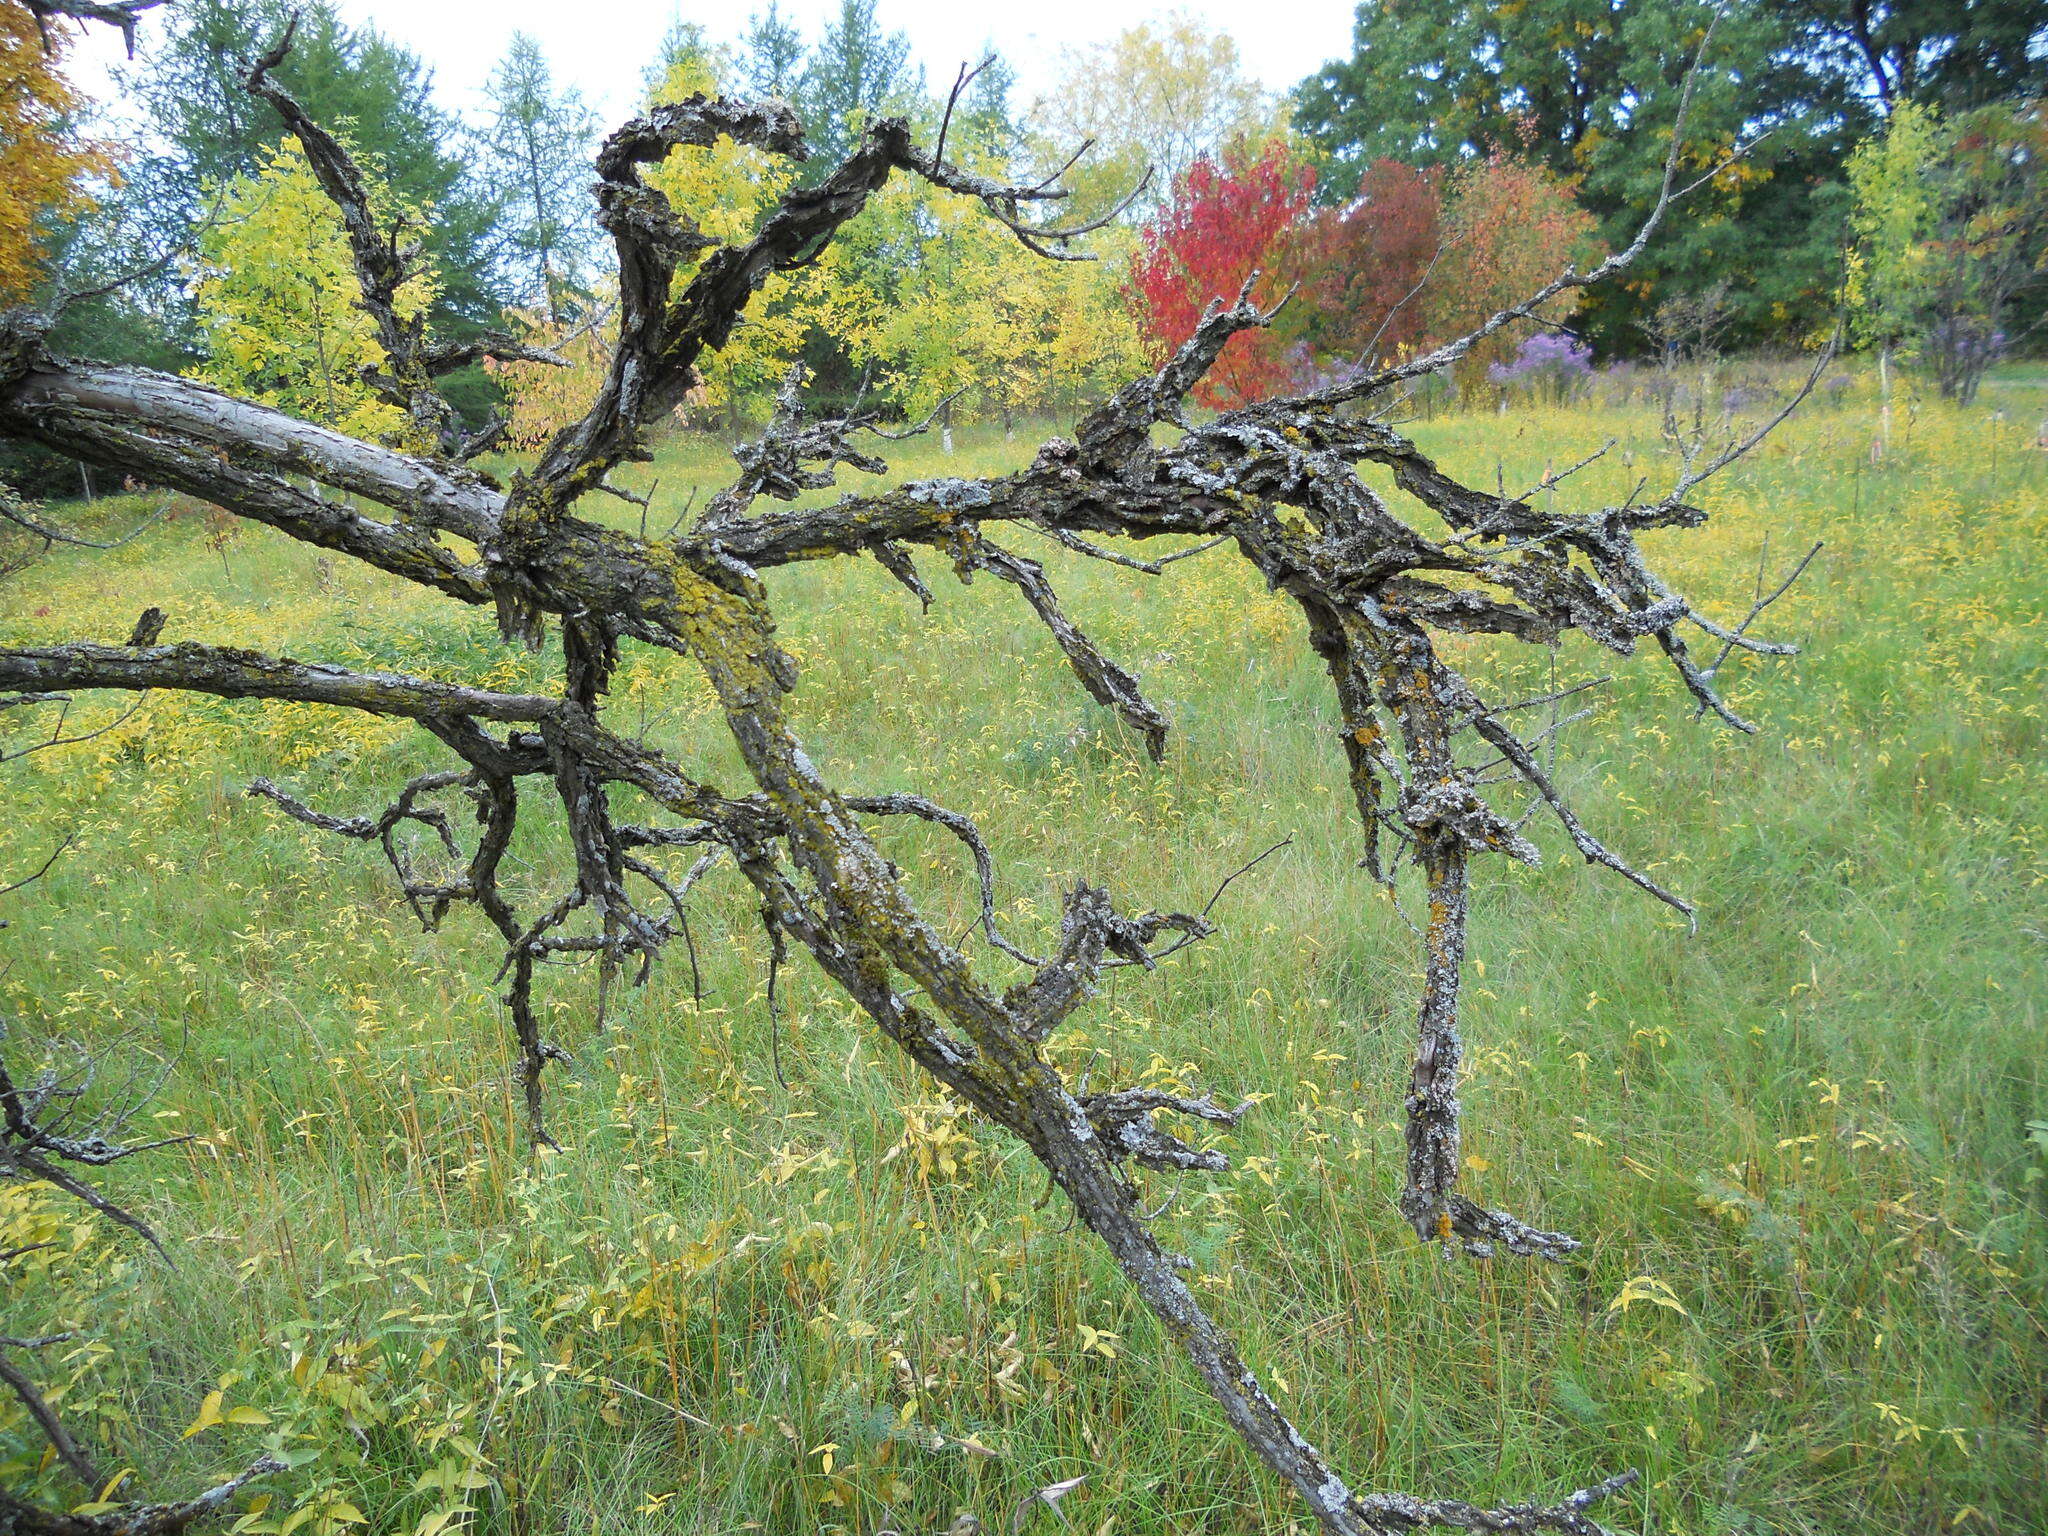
[(44, 168), (1224, 222), (541, 400), (277, 300), (1417, 256), (1358, 266), (1509, 226)]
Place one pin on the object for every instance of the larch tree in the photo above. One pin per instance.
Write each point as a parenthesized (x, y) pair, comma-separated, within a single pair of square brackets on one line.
[(772, 54), (534, 148), (986, 120), (857, 71), (1275, 482)]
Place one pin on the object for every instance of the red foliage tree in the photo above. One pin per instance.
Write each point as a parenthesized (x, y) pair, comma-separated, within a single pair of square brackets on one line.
[(1358, 266), (1222, 224)]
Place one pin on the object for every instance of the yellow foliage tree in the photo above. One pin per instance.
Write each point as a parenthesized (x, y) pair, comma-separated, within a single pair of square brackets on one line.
[(977, 316), (277, 301), (543, 399), (936, 296), (1097, 341), (1159, 96), (44, 167), (725, 190)]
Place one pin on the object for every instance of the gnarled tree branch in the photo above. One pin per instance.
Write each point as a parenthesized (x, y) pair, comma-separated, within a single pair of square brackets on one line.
[(1277, 479)]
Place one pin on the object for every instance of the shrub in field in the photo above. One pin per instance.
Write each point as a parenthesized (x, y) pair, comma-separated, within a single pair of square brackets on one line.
[(1420, 256), (1221, 232), (1550, 365), (1507, 226), (1359, 268)]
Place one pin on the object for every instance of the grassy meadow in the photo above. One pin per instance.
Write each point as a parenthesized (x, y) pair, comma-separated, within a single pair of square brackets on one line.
[(1807, 1148)]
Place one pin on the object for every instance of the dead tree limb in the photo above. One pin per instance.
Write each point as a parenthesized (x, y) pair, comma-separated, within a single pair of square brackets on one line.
[(18, 1517), (1276, 479), (121, 15)]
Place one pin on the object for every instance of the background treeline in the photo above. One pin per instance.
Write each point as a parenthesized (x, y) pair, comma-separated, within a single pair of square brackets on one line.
[(1588, 89), (1893, 167)]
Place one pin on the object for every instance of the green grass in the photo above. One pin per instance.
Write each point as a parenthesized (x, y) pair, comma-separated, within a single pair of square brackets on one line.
[(1810, 1121)]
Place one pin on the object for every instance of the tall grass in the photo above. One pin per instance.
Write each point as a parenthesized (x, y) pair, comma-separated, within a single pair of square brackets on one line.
[(1806, 1147)]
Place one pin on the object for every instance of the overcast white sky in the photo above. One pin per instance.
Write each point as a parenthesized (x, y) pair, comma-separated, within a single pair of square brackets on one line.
[(601, 45)]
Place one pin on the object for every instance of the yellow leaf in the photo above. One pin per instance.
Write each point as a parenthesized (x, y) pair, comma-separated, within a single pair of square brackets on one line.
[(209, 1415), (438, 1521), (1650, 1289), (115, 1482)]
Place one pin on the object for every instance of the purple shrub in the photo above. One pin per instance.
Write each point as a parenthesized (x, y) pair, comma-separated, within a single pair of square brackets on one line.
[(1967, 341), (1309, 372), (1549, 364)]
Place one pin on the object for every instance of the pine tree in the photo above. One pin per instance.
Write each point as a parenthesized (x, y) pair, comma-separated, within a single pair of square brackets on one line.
[(985, 123)]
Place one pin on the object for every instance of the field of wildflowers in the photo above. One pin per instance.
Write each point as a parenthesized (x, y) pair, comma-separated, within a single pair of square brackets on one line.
[(1808, 1147)]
